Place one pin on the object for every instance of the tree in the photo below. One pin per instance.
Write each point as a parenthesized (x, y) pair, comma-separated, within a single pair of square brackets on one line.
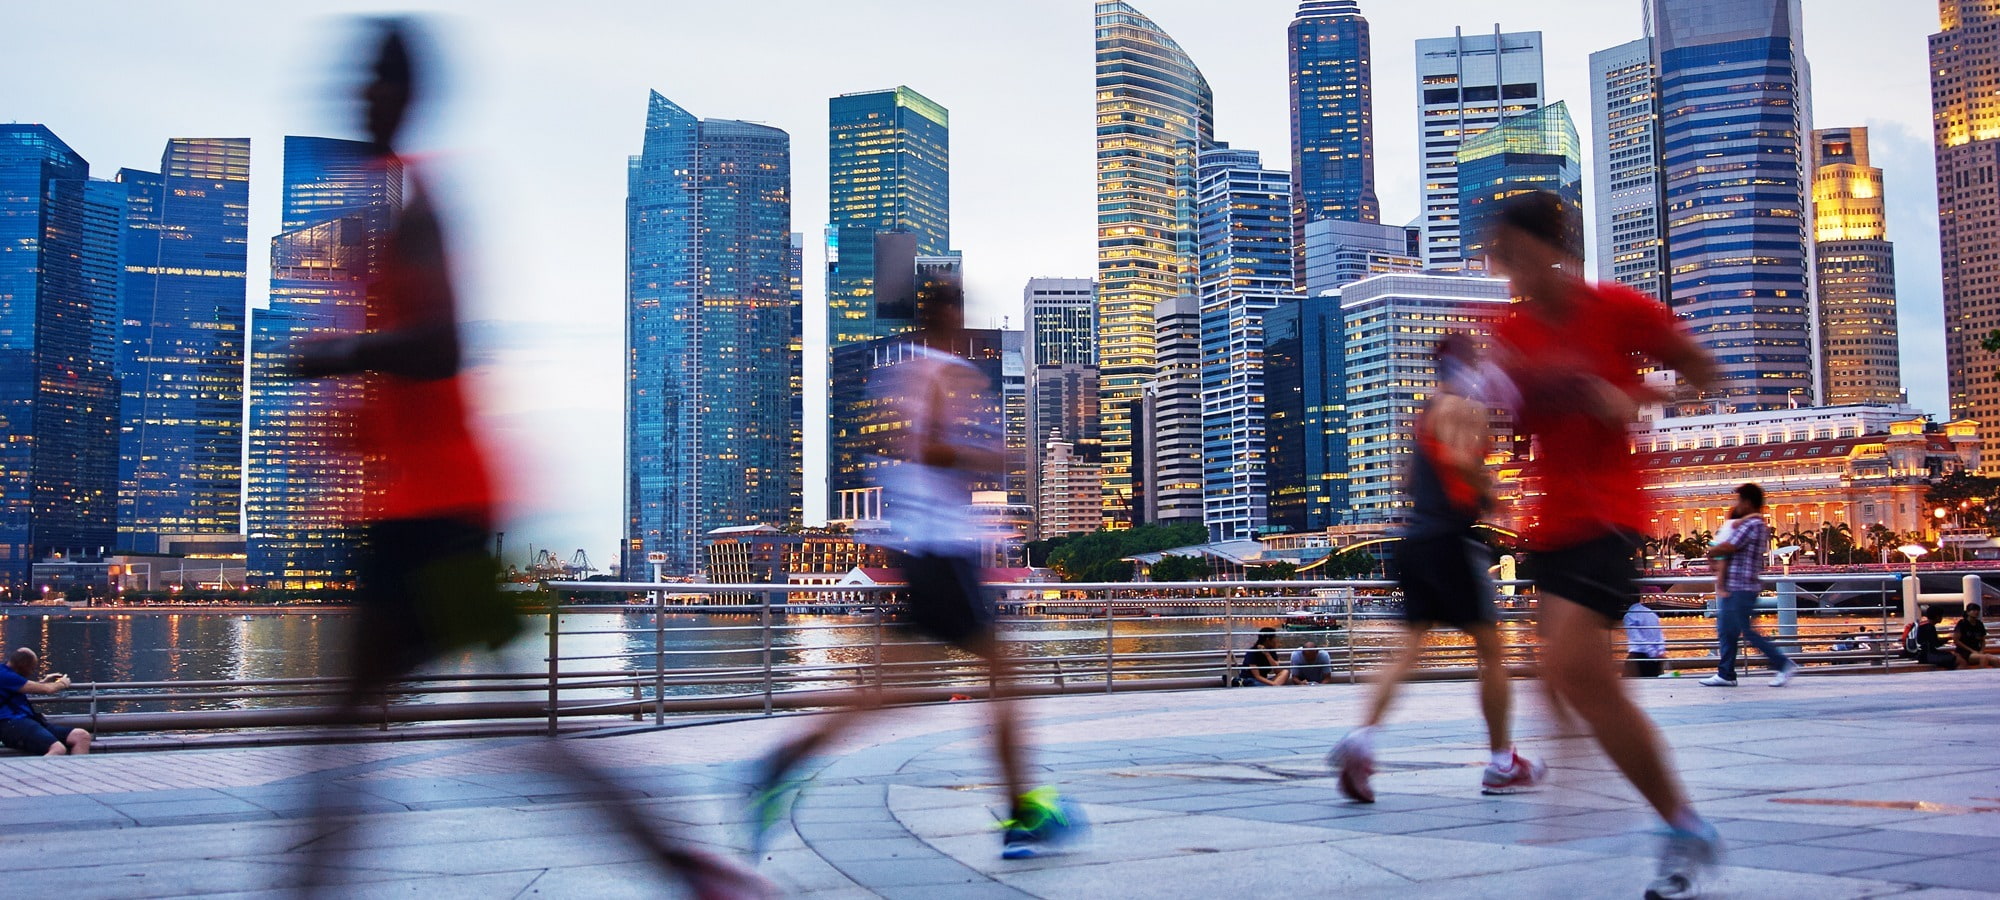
[(1277, 571), (1348, 564), (1181, 568), (1099, 556), (1964, 495)]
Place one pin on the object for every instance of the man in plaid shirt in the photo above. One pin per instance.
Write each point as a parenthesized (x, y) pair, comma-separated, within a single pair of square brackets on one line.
[(1745, 552)]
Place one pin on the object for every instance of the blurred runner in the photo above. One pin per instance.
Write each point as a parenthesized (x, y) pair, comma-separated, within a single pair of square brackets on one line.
[(1569, 349), (1441, 565), (926, 494), (428, 587)]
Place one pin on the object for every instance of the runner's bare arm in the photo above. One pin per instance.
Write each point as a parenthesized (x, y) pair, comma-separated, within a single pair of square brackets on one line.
[(1462, 432)]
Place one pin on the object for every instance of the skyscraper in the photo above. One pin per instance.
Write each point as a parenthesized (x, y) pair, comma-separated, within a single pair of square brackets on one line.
[(1154, 114), (59, 261), (1333, 119), (1305, 413), (888, 170), (1859, 354), (1061, 314), (304, 482), (1167, 448), (1465, 85), (1735, 117), (862, 441), (1061, 348), (1534, 151), (711, 419), (1340, 253), (1242, 214), (1965, 117), (1625, 167), (181, 342), (1014, 417)]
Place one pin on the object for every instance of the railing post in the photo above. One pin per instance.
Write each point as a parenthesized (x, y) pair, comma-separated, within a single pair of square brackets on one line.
[(1788, 610), (1228, 639), (1882, 606), (767, 650), (1110, 646), (555, 650), (660, 659), (1347, 604)]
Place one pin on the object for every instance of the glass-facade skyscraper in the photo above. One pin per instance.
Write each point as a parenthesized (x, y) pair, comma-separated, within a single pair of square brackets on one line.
[(1735, 120), (1242, 213), (1965, 122), (888, 170), (305, 485), (181, 343), (1534, 151), (1859, 351), (1155, 113), (1466, 84), (712, 416), (1333, 119), (1305, 415)]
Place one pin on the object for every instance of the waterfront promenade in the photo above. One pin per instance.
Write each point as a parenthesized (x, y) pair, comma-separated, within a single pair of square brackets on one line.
[(1857, 786)]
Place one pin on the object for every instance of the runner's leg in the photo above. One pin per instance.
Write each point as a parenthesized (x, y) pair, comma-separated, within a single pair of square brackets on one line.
[(1495, 694), (1578, 664), (1390, 679)]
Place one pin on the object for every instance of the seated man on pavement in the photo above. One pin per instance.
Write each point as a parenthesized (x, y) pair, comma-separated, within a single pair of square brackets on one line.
[(1311, 665), (1968, 640), (24, 729)]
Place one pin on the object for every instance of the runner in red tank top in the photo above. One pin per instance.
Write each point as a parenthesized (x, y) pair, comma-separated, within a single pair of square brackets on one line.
[(1570, 348)]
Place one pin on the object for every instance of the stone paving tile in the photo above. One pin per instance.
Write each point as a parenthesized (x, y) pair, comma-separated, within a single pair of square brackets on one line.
[(1896, 840), (473, 887), (1426, 858), (1822, 860), (945, 875), (1263, 872), (1962, 872)]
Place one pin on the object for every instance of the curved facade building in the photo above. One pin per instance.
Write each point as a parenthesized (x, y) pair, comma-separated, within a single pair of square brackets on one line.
[(1333, 120), (1155, 113)]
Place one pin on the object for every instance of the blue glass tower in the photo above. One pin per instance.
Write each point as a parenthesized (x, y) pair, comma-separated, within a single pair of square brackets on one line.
[(1333, 119), (888, 170), (1244, 227), (1735, 118), (305, 482), (58, 398), (1534, 151), (180, 342), (713, 411), (1305, 413)]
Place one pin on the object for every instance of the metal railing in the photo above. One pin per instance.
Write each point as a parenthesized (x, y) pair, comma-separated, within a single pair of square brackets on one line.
[(755, 649)]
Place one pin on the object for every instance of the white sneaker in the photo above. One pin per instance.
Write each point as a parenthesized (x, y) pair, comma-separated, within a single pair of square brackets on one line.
[(1717, 681), (1784, 676)]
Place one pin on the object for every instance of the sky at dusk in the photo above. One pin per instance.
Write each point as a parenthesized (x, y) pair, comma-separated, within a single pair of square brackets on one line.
[(527, 145)]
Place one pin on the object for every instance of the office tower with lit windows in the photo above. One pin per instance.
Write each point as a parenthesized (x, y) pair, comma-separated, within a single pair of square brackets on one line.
[(1061, 356), (1155, 112), (1392, 325), (1859, 352), (181, 342), (711, 419), (304, 483), (1061, 316), (1466, 84), (1014, 416), (1628, 209), (888, 171), (1333, 119), (1167, 448), (1534, 151), (1305, 415), (1339, 252), (1735, 113), (866, 426), (1242, 215), (1965, 118), (59, 274)]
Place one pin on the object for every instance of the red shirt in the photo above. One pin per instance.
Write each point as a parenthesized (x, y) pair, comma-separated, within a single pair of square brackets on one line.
[(1583, 481)]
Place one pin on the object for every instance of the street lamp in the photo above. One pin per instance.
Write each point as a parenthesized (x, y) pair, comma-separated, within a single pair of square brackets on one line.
[(1913, 551)]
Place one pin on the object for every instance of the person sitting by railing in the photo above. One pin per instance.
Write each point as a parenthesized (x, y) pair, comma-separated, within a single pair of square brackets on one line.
[(1260, 662), (1311, 665), (1930, 648), (22, 728), (1645, 642), (1968, 641)]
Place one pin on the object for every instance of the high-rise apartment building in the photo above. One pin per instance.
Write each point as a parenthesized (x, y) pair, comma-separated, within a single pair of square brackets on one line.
[(181, 342), (1393, 324), (1628, 209), (59, 274), (1340, 252), (1859, 353), (1333, 119), (1069, 495), (1305, 413), (888, 170), (304, 484), (710, 420), (1242, 214), (1167, 448), (1735, 120), (1965, 117), (1534, 151), (1154, 114), (1466, 84)]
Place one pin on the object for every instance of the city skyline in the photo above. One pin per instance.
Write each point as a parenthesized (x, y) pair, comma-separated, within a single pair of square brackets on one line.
[(552, 310)]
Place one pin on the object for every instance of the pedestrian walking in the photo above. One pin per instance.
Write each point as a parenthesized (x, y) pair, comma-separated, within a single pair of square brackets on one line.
[(1568, 349), (1441, 566), (1742, 554)]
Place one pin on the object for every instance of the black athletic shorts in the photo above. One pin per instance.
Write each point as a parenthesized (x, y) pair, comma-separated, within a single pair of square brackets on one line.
[(945, 600), (1597, 574), (1444, 580), (428, 587)]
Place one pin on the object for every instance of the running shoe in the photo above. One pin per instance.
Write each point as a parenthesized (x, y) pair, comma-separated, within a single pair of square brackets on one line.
[(772, 791), (1682, 860), (1717, 681), (1045, 822), (1525, 774), (1355, 765), (1785, 675)]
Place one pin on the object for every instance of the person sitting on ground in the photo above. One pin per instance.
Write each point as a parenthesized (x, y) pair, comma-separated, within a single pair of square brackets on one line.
[(1930, 647), (1968, 641), (1311, 665), (24, 729), (1645, 642), (1260, 662)]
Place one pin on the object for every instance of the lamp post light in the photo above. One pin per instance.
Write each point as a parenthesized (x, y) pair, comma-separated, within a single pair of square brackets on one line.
[(1913, 551)]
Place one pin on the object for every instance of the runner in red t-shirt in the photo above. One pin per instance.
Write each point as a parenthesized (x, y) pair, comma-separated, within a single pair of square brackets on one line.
[(1570, 347)]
